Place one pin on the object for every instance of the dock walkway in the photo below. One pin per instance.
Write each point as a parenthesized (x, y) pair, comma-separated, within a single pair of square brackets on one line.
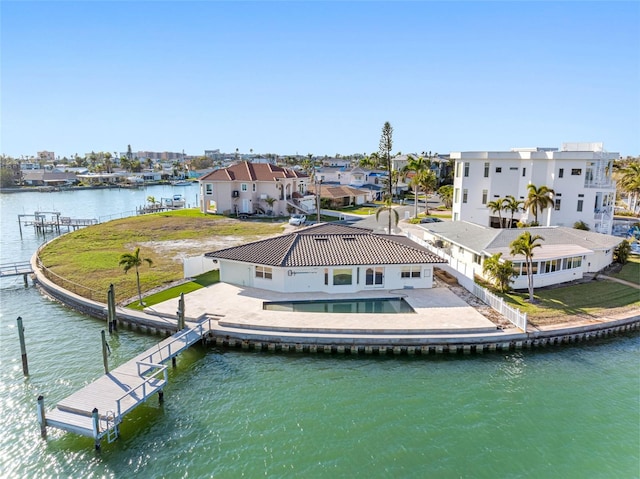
[(15, 269), (97, 409)]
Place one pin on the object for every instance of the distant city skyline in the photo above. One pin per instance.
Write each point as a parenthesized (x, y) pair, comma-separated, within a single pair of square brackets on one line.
[(317, 77)]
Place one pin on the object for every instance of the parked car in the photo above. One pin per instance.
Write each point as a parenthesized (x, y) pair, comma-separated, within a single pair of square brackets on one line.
[(430, 220), (297, 220)]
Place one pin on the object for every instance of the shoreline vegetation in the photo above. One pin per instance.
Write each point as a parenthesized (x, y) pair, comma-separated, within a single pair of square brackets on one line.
[(88, 258)]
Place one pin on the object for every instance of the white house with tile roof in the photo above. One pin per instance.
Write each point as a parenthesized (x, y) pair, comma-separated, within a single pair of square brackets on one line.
[(565, 254), (579, 174), (328, 258), (247, 187)]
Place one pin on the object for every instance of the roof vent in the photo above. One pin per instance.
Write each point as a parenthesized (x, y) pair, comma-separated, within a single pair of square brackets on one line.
[(348, 238)]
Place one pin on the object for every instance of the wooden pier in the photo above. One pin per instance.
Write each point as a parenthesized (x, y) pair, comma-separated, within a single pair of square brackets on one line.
[(97, 409), (20, 268), (53, 223)]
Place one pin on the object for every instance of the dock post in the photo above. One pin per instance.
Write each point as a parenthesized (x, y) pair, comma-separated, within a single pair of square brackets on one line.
[(173, 361), (111, 309), (23, 348), (41, 417), (96, 425), (26, 280), (180, 312), (161, 396), (105, 347)]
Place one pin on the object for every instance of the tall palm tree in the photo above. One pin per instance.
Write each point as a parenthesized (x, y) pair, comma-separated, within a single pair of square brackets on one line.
[(428, 181), (134, 260), (513, 206), (538, 199), (415, 166), (524, 245), (496, 206), (629, 181)]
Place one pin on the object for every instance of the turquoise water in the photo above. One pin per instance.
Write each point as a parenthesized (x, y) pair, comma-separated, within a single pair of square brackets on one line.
[(352, 306), (565, 412)]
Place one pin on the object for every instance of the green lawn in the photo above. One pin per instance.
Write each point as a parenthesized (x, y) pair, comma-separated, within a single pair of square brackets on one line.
[(630, 271), (198, 282)]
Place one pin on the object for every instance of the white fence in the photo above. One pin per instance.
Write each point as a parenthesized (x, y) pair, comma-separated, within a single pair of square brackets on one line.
[(196, 265), (464, 274)]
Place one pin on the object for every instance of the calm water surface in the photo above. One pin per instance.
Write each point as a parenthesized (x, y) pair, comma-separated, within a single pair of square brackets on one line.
[(560, 412)]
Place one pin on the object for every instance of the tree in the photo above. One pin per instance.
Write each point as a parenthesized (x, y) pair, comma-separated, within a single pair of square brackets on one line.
[(428, 182), (6, 178), (622, 252), (385, 146), (496, 207), (538, 199), (446, 195), (134, 260), (393, 214), (513, 206), (415, 166), (629, 182), (524, 245), (500, 273)]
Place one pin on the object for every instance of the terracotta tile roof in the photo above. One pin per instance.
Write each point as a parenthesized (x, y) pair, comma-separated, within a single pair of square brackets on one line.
[(246, 171), (342, 191), (329, 245)]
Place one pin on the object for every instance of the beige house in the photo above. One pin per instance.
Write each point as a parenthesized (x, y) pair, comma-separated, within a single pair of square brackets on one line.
[(250, 188)]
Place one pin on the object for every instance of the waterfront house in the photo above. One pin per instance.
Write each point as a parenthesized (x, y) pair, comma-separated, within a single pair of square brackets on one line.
[(565, 254), (579, 173), (328, 258), (254, 188)]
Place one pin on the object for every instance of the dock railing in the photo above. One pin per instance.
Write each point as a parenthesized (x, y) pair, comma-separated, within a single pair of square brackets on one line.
[(147, 388)]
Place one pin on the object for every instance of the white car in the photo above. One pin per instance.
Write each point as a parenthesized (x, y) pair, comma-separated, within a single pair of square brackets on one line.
[(297, 220)]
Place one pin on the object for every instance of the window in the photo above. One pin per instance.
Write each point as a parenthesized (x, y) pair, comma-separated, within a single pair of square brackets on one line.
[(253, 187), (580, 202), (498, 169), (513, 168), (456, 216), (576, 171), (465, 195), (342, 276), (466, 169), (557, 204), (477, 259), (458, 169), (243, 187), (550, 266), (486, 170), (326, 276), (456, 195), (208, 189), (264, 272), (560, 172), (374, 276), (485, 194), (410, 271), (524, 172)]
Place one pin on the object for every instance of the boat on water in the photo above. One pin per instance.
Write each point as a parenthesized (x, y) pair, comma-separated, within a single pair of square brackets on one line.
[(176, 202), (182, 183)]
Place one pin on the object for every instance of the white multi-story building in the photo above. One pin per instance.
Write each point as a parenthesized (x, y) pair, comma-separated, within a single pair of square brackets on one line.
[(578, 173)]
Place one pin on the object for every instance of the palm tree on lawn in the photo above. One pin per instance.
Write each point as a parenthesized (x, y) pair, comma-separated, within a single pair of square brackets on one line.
[(501, 273), (513, 206), (496, 206), (428, 181), (134, 260), (524, 245), (538, 199)]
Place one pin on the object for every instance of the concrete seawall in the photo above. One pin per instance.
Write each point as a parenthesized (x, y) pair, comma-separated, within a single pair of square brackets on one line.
[(341, 342)]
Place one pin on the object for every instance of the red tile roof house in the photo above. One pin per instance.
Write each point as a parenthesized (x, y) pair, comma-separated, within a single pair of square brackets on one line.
[(328, 258), (249, 187)]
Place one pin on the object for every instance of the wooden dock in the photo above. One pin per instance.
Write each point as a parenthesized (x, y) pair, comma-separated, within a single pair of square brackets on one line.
[(97, 409), (19, 268)]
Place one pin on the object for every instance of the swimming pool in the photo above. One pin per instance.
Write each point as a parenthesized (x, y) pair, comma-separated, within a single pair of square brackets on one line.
[(343, 306)]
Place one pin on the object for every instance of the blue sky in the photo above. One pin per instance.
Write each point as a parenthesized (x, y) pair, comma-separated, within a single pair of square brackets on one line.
[(317, 77)]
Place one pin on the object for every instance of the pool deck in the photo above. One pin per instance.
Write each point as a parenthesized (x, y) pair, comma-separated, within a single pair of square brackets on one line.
[(238, 312)]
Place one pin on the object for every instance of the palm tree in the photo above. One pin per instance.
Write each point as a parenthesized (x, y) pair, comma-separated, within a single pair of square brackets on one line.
[(512, 205), (417, 166), (134, 260), (393, 214), (496, 207), (524, 245), (446, 195), (428, 182), (501, 273), (538, 199), (630, 182)]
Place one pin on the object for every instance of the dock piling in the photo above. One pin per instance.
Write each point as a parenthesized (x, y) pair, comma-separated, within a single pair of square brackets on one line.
[(96, 424), (41, 417), (105, 347), (23, 348)]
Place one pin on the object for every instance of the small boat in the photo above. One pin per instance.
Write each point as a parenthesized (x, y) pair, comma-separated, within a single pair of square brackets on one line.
[(182, 183), (176, 202)]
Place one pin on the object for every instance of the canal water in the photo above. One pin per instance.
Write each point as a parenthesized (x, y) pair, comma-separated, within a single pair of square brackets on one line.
[(557, 412)]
